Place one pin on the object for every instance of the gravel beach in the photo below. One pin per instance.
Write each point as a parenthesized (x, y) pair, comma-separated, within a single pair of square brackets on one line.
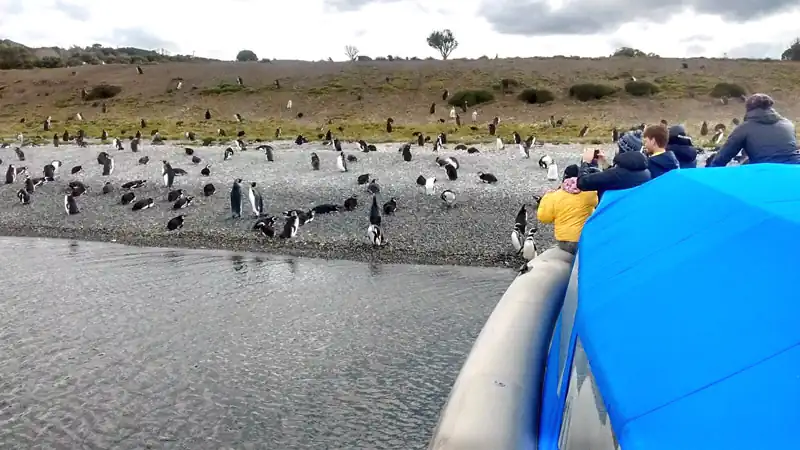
[(476, 231)]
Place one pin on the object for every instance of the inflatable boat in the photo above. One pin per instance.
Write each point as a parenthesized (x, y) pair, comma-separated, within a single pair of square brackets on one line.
[(675, 327)]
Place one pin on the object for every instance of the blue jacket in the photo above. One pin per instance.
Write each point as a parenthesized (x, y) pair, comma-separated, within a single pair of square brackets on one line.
[(629, 170), (764, 136), (683, 149), (662, 163)]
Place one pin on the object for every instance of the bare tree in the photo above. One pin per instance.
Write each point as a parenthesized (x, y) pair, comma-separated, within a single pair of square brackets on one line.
[(351, 51)]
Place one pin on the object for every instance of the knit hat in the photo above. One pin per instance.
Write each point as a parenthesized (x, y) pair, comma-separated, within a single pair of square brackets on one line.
[(758, 101), (630, 142), (677, 131), (571, 171)]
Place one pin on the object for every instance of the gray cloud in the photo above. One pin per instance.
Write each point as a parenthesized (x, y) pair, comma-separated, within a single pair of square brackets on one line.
[(697, 38), (353, 5), (136, 37), (758, 50), (73, 11), (586, 17)]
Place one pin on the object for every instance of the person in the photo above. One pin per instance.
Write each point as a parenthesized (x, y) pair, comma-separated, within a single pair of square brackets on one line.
[(567, 209), (629, 167), (764, 136), (681, 145), (660, 159)]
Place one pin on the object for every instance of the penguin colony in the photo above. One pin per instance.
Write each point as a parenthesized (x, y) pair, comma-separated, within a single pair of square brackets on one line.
[(441, 183)]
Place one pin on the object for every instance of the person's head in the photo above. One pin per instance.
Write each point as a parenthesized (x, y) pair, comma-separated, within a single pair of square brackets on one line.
[(571, 171), (630, 142), (654, 138), (678, 135), (759, 101)]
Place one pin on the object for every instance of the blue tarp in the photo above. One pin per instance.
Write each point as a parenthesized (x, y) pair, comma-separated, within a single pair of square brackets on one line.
[(689, 309)]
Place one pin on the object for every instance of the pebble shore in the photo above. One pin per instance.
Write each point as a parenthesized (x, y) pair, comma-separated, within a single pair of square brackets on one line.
[(475, 232)]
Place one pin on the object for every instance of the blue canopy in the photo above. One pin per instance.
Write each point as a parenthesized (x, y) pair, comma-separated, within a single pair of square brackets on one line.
[(689, 309)]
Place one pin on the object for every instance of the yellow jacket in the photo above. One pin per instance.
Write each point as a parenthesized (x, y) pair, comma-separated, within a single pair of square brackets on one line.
[(567, 211)]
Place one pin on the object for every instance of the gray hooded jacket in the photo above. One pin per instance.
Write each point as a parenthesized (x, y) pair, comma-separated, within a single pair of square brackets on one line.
[(765, 136)]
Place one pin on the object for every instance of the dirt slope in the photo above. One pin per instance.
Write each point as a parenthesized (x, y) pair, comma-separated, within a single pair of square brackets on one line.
[(359, 97)]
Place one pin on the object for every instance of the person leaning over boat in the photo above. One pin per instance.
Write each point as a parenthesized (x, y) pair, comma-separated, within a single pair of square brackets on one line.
[(629, 168), (681, 145), (764, 136), (660, 160), (567, 209)]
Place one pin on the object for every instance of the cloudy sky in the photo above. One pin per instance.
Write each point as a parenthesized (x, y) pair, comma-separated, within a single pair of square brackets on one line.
[(318, 29)]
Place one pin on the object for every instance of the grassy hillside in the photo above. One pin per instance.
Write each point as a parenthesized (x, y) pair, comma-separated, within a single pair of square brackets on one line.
[(360, 96)]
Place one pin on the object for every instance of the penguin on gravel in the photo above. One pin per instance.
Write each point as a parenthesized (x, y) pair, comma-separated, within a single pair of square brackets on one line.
[(236, 199)]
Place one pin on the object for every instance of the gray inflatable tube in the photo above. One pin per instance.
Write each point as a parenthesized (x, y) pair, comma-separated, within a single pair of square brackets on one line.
[(494, 402)]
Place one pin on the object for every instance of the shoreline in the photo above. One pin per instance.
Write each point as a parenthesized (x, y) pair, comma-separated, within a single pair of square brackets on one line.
[(236, 243)]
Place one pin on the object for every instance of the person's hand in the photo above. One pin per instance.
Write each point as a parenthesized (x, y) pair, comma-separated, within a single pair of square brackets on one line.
[(591, 155)]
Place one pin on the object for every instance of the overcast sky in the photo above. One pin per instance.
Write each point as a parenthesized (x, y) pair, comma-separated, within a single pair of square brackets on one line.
[(318, 29)]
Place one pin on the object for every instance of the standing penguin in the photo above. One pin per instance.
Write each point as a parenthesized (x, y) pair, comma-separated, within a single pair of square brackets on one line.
[(236, 199), (314, 161), (168, 173), (108, 166), (24, 196), (406, 149), (11, 174), (374, 230), (291, 226), (70, 205), (256, 201), (518, 233), (29, 186), (341, 162)]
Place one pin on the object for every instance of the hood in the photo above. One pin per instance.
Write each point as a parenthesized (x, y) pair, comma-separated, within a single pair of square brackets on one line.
[(633, 161), (570, 185), (666, 161), (683, 150), (766, 116)]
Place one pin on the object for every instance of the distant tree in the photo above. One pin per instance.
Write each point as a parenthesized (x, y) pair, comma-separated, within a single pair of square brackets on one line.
[(443, 41), (630, 52), (246, 55), (351, 51), (793, 52)]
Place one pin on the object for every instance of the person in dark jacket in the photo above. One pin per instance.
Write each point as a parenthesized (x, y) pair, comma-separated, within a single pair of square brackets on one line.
[(764, 136), (681, 145), (660, 159), (629, 168)]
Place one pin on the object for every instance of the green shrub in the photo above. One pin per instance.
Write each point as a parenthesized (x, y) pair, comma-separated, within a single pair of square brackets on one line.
[(222, 88), (727, 90), (536, 96), (506, 85), (102, 92), (590, 91), (641, 88), (473, 97)]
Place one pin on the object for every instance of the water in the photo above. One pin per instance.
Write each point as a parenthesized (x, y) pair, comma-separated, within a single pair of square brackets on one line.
[(107, 346)]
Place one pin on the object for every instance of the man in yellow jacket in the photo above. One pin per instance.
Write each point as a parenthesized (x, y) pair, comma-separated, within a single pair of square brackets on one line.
[(567, 208)]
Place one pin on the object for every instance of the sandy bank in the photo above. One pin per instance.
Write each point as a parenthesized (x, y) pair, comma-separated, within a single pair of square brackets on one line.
[(476, 232)]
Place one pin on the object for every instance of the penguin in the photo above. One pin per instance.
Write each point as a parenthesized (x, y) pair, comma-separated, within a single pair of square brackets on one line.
[(134, 184), (76, 188), (196, 160), (472, 150), (21, 170), (487, 177), (704, 129), (37, 182), (206, 171), (498, 144), (107, 188), (101, 158), (267, 228), (176, 222), (189, 151), (328, 135), (326, 208), (183, 202), (167, 174), (240, 145), (236, 199), (452, 172), (256, 201), (390, 207), (362, 145), (350, 204), (178, 172), (492, 129), (127, 198), (118, 144), (264, 222), (11, 174), (552, 172), (428, 183), (439, 144), (474, 116), (420, 140), (76, 170), (209, 189), (135, 145), (108, 166), (545, 161), (352, 158), (517, 138), (362, 179), (228, 154), (375, 212), (174, 195), (518, 233), (615, 135), (717, 137), (314, 161), (291, 226), (55, 140), (208, 115), (267, 151), (529, 245), (341, 162), (104, 135), (24, 196), (448, 197), (143, 204), (375, 235), (142, 123), (524, 151), (20, 154), (389, 123), (433, 108), (584, 131), (144, 160), (70, 205), (337, 145), (406, 149), (29, 187)]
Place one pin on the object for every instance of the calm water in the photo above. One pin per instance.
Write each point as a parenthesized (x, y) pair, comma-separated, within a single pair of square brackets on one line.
[(106, 346)]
